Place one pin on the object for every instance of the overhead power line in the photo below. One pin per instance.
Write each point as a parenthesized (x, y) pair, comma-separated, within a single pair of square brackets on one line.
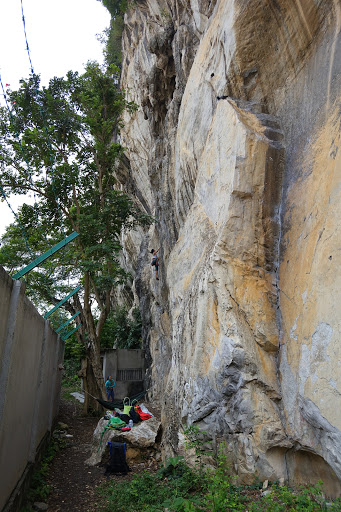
[(42, 115), (51, 164), (10, 111)]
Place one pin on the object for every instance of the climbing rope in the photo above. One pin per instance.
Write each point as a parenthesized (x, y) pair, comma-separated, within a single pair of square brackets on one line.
[(27, 46), (18, 220), (116, 404), (50, 165), (48, 262), (51, 158)]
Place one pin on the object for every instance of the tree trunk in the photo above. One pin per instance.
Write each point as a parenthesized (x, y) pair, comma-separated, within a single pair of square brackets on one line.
[(90, 386), (82, 374), (93, 382), (94, 373), (94, 358)]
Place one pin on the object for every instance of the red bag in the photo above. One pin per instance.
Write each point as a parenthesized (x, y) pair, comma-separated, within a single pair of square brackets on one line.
[(143, 415)]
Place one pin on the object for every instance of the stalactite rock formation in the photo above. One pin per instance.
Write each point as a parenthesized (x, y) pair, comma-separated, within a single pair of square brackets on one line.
[(234, 150)]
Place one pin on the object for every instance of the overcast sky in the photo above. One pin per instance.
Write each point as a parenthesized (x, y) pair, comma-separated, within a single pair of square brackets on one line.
[(61, 36)]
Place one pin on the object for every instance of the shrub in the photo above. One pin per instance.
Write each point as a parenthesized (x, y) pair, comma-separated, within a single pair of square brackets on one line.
[(179, 488), (112, 36), (122, 331), (39, 489)]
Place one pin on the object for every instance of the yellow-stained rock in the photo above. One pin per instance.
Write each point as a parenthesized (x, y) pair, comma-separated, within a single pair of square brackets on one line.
[(235, 150)]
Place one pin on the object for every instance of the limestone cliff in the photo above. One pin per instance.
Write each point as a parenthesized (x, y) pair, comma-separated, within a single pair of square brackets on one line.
[(234, 149)]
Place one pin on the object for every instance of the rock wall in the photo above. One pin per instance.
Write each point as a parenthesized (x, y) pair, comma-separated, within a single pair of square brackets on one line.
[(234, 150)]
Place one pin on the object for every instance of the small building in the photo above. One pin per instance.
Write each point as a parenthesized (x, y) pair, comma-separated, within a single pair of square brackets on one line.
[(127, 368)]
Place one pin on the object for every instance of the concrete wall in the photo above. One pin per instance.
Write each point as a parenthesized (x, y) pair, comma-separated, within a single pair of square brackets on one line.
[(118, 361), (29, 381)]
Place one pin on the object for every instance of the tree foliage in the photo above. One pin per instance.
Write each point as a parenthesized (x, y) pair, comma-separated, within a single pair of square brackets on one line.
[(122, 331), (115, 7), (113, 35), (59, 144)]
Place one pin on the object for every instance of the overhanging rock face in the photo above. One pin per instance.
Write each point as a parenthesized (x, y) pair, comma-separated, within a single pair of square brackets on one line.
[(235, 150)]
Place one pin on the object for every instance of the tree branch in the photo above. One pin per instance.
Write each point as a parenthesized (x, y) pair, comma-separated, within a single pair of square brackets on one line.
[(104, 314), (98, 298)]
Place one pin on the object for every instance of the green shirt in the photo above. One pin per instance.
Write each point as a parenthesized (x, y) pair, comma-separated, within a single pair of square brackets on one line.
[(110, 384)]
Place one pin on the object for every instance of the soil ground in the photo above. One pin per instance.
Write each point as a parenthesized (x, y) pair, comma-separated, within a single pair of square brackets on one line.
[(73, 483)]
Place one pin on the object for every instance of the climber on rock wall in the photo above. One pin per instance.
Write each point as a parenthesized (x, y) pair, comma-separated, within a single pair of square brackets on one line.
[(155, 262)]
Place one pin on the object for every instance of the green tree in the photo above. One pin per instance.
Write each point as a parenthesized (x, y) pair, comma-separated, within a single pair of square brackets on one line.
[(112, 36), (59, 143), (115, 7), (121, 331)]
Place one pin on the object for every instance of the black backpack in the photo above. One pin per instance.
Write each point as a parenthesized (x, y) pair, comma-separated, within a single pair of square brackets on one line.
[(117, 462), (134, 415)]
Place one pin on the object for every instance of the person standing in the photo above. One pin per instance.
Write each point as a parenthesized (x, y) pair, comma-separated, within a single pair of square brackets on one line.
[(109, 386)]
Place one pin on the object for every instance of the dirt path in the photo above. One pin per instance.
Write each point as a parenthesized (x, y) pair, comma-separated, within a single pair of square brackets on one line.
[(73, 483)]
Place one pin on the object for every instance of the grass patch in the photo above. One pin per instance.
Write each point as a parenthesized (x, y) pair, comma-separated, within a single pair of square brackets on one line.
[(71, 383), (152, 493), (305, 499), (67, 390), (39, 489), (70, 386), (179, 488)]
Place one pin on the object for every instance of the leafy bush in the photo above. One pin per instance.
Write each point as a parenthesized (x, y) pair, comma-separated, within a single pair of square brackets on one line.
[(39, 489), (155, 493), (112, 37), (173, 468), (115, 7), (178, 488), (122, 331), (152, 493), (195, 440), (71, 382), (74, 351), (221, 493), (306, 499)]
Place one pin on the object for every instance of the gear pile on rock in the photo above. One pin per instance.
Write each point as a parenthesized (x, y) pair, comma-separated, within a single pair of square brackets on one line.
[(138, 430)]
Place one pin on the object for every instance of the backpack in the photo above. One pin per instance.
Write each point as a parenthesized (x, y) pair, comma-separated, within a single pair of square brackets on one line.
[(134, 415), (117, 463)]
